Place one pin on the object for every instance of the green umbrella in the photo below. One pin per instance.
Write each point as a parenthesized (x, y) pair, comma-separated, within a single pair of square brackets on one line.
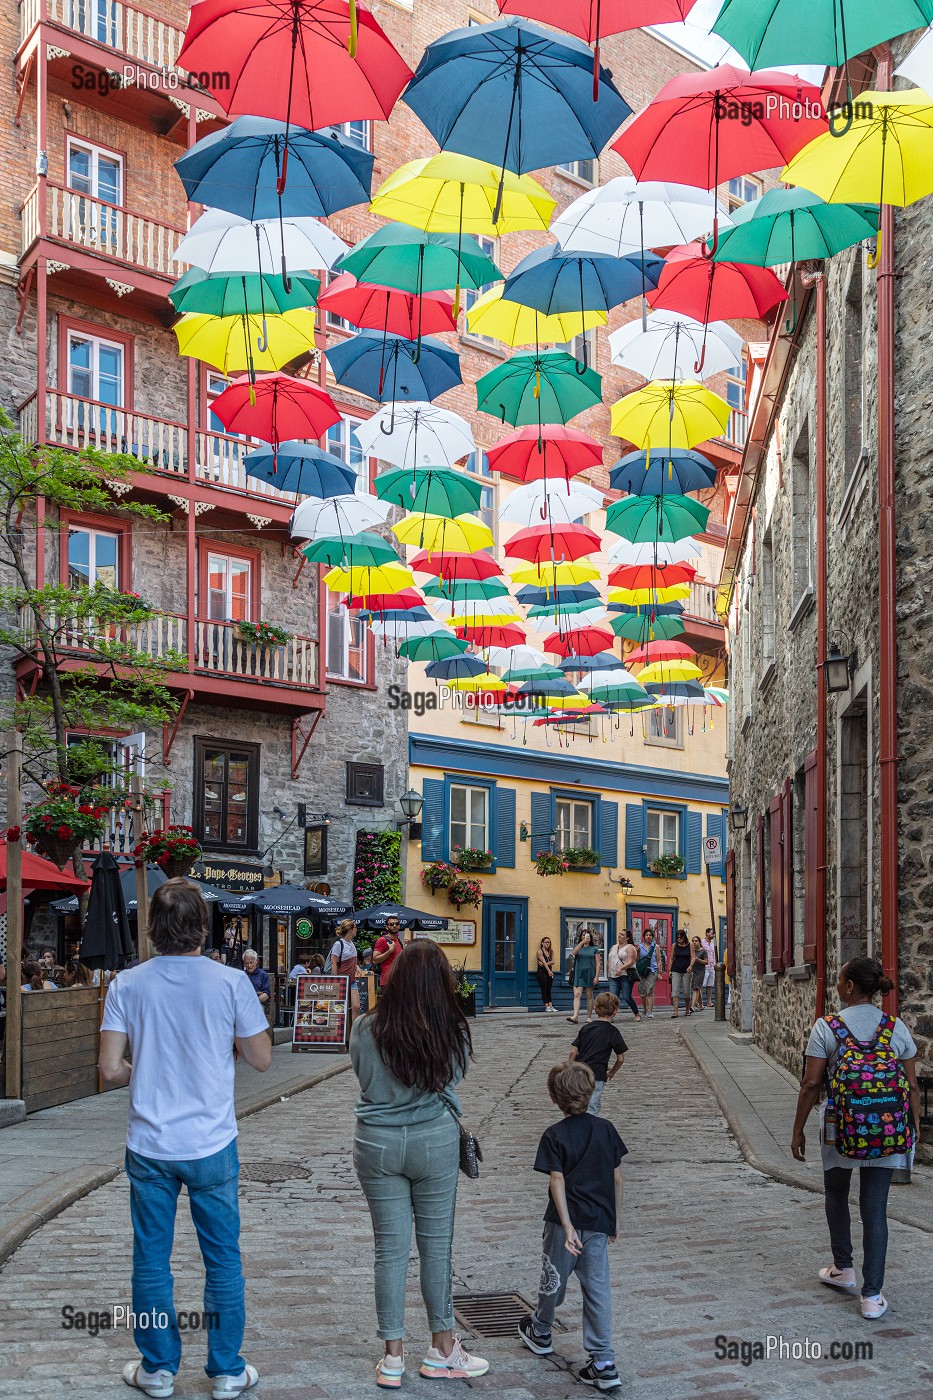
[(559, 610), (641, 628), (625, 695), (241, 294), (792, 225), (642, 518), (434, 646), (430, 490), (413, 261), (532, 673), (467, 590), (539, 388), (365, 550)]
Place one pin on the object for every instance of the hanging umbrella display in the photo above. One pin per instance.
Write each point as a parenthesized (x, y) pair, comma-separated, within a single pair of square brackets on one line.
[(648, 576), (641, 518), (668, 415), (517, 660), (677, 691), (543, 388), (233, 342), (637, 626), (658, 473), (456, 667), (309, 62), (694, 285), (513, 323), (407, 600), (389, 368), (668, 345), (553, 281), (580, 641), (531, 504), (276, 407), (386, 309), (369, 578), (340, 515), (542, 544), (599, 661), (484, 683), (474, 564), (417, 434), (553, 452), (301, 467), (509, 635), (623, 695), (220, 242), (516, 94), (555, 614), (649, 596), (406, 626), (467, 590), (452, 193), (703, 128), (668, 672), (551, 689), (106, 942), (241, 294), (439, 535), (654, 553), (414, 261), (556, 575), (436, 646), (354, 551), (630, 216), (794, 225), (660, 651), (432, 491), (534, 597)]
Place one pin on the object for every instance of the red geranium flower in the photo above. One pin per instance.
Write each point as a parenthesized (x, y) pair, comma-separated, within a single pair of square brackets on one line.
[(65, 833)]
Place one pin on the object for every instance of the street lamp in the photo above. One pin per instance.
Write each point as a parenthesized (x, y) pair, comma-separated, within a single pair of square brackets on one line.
[(738, 817), (837, 671), (623, 882), (411, 803)]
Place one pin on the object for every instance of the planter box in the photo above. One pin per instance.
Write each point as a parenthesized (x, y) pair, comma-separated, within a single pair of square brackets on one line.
[(469, 1004)]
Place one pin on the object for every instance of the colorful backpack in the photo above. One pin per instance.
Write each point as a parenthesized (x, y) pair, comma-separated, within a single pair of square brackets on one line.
[(869, 1094)]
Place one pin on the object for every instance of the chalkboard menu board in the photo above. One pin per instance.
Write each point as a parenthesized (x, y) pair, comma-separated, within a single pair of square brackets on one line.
[(320, 1013)]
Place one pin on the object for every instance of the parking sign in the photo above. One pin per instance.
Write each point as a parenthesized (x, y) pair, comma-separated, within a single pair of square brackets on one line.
[(712, 850)]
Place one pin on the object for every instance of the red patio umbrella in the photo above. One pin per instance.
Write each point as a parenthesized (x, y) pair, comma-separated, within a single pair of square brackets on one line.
[(580, 641), (546, 544), (509, 636), (651, 576), (277, 408), (474, 567), (693, 285), (553, 453), (39, 874), (376, 308)]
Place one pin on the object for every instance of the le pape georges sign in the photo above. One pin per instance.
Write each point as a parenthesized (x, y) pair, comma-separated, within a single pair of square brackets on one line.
[(236, 875)]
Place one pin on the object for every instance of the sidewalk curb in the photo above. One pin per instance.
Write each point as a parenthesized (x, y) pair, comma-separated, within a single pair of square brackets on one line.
[(74, 1186), (776, 1170)]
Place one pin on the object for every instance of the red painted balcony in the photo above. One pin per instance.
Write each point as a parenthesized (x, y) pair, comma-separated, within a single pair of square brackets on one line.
[(106, 233), (127, 29)]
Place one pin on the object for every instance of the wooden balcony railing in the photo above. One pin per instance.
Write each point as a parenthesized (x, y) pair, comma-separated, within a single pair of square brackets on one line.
[(127, 29), (702, 603), (102, 228), (737, 428)]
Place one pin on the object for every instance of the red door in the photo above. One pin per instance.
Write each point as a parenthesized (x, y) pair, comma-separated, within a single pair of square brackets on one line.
[(661, 924)]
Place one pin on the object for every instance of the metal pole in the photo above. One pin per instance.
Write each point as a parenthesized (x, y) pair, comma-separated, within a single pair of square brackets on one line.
[(720, 989), (14, 925), (142, 874)]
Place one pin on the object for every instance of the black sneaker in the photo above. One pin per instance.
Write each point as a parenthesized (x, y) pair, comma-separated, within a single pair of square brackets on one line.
[(538, 1342), (602, 1377)]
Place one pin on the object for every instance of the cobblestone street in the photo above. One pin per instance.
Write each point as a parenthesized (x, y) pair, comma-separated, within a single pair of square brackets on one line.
[(709, 1246)]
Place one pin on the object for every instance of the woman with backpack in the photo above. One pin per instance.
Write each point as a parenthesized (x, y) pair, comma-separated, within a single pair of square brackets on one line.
[(344, 961), (871, 1120)]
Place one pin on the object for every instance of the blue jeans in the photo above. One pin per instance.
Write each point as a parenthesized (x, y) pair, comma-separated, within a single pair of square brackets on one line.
[(597, 1098), (874, 1185), (212, 1197), (592, 1269), (623, 988), (410, 1172)]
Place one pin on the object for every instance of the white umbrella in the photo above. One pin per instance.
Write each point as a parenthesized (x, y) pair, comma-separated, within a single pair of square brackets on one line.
[(568, 621), (416, 434), (476, 608), (532, 504), (660, 553), (219, 242), (626, 216), (515, 658), (401, 629), (340, 515), (595, 680), (917, 67), (669, 346)]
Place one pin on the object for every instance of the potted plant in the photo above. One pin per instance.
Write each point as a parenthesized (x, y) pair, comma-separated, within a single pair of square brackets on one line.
[(263, 638), (551, 863), (471, 858), (439, 875), (465, 989), (176, 850), (65, 820), (581, 856), (668, 865), (465, 892)]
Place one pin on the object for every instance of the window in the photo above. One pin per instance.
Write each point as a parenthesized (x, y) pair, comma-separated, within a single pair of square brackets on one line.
[(93, 558), (853, 840), (490, 246), (358, 133), (365, 784), (229, 588), (582, 347), (664, 726), (735, 398), (469, 817), (478, 464), (120, 759), (96, 177), (767, 619), (343, 442), (95, 371), (226, 795), (346, 643), (95, 18), (332, 321), (662, 834), (802, 516), (855, 378), (573, 822), (744, 189), (586, 171)]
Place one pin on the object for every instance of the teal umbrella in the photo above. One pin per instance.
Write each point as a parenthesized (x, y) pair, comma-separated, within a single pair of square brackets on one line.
[(364, 550), (242, 294), (430, 490), (538, 389), (434, 646), (643, 628), (559, 610), (467, 590), (641, 518)]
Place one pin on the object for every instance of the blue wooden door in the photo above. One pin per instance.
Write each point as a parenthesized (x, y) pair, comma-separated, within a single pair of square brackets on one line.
[(505, 951)]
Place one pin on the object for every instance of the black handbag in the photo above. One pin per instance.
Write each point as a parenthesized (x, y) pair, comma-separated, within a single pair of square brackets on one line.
[(471, 1154)]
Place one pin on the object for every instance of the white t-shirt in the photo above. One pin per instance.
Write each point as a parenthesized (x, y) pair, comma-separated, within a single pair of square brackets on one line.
[(181, 1015)]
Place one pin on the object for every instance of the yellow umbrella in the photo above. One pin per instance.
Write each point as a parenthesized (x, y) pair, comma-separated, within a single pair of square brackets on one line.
[(484, 619), (365, 579), (638, 597), (563, 702), (441, 534), (669, 414), (661, 672), (515, 324), (232, 343), (484, 681), (450, 193), (557, 575)]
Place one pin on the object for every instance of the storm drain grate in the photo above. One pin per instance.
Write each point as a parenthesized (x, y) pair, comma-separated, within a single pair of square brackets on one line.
[(273, 1171), (491, 1314)]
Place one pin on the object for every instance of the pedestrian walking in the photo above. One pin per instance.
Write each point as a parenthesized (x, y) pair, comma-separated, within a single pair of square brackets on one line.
[(344, 961), (183, 1018), (582, 1155), (647, 966), (587, 965), (698, 965), (545, 972), (709, 981), (681, 979), (387, 948), (596, 1042), (620, 969), (870, 1120), (409, 1054)]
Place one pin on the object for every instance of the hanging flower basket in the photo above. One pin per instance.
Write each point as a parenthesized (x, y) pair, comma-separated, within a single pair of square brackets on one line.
[(439, 875), (668, 866), (581, 857), (67, 819), (176, 850), (471, 858), (551, 863), (465, 892)]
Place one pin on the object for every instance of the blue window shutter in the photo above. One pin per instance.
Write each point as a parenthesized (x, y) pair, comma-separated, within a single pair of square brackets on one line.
[(716, 826), (505, 826), (634, 836), (432, 820), (540, 823), (608, 832), (693, 843)]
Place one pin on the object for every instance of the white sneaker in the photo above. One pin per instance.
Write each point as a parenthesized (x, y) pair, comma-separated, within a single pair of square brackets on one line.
[(389, 1371), (459, 1365), (225, 1386), (837, 1278), (874, 1307), (159, 1384)]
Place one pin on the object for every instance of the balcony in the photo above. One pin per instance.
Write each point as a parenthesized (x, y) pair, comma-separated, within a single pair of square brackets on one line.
[(127, 29), (703, 629), (101, 230)]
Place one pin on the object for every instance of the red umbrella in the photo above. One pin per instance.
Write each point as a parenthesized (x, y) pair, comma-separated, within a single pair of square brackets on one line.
[(703, 128), (546, 544), (39, 874), (580, 641), (509, 636), (714, 291), (313, 63), (560, 455), (570, 716), (474, 567), (277, 408), (376, 308), (384, 602), (660, 651), (651, 576)]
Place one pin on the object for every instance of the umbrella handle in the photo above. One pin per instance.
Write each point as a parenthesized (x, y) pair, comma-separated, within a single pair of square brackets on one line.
[(873, 259), (596, 72), (708, 250), (262, 344), (286, 280), (391, 428), (698, 364), (502, 415), (848, 116), (353, 39)]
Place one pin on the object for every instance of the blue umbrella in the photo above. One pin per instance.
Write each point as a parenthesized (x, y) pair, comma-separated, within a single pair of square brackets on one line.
[(554, 282), (392, 368), (456, 666), (398, 615), (303, 468), (660, 473), (548, 685), (530, 597), (602, 661), (647, 609), (515, 94)]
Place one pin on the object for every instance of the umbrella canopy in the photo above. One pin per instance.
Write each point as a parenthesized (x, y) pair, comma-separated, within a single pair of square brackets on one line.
[(414, 261), (693, 285), (293, 899), (552, 688), (660, 651), (155, 876), (240, 294), (221, 242), (301, 467), (600, 661), (232, 342), (638, 626), (917, 67), (552, 453), (517, 659), (387, 309), (452, 193), (552, 543), (389, 368), (648, 596), (661, 473), (353, 551), (436, 646), (417, 435), (375, 917), (656, 517), (432, 490), (814, 31), (456, 565), (516, 324), (545, 388), (668, 345), (106, 941), (408, 600), (381, 578), (439, 534), (40, 874), (531, 504), (468, 590), (276, 407), (456, 667), (555, 282), (794, 225), (556, 575), (627, 216), (339, 515), (579, 641), (648, 576), (668, 415), (664, 672), (583, 593), (310, 62), (659, 555), (592, 20), (238, 169), (510, 635)]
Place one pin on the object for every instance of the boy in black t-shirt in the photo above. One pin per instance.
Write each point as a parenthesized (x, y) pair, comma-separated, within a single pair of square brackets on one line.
[(582, 1155), (596, 1042)]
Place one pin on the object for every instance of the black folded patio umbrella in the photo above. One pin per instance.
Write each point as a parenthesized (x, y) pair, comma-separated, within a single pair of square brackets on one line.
[(155, 876), (376, 915), (106, 941)]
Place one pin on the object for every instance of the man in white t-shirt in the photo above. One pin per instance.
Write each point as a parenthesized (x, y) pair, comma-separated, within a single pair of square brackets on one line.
[(180, 1016)]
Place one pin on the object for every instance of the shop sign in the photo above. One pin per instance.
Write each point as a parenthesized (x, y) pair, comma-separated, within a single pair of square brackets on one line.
[(320, 1013), (230, 874), (303, 928)]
